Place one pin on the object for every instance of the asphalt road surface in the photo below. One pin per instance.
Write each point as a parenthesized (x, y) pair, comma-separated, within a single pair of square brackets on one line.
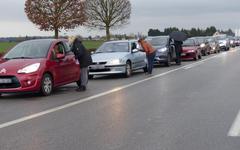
[(190, 107)]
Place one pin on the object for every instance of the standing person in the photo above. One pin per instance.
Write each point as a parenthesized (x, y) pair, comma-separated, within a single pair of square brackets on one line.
[(84, 59), (178, 46), (150, 53)]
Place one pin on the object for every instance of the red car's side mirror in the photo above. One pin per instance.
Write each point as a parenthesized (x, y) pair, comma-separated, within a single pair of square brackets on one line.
[(60, 56)]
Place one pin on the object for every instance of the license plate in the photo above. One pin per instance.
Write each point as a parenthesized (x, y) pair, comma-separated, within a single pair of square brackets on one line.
[(183, 54), (97, 67), (5, 81)]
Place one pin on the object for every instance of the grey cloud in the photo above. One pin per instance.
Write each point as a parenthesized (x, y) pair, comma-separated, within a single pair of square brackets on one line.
[(183, 7), (12, 10), (148, 14)]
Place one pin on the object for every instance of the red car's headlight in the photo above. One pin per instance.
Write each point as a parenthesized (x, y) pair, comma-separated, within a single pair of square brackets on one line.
[(191, 51), (29, 69)]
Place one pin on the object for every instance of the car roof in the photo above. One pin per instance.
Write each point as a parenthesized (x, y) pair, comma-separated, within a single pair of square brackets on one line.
[(120, 41), (46, 40), (192, 38), (158, 36)]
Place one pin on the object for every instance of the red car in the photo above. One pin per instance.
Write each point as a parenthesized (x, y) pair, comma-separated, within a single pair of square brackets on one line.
[(191, 50), (38, 66)]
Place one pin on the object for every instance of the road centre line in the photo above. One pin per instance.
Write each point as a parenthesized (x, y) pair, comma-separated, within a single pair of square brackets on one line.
[(37, 115), (192, 66), (235, 128)]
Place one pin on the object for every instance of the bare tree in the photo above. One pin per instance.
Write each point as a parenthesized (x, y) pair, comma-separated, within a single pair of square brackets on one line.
[(107, 14), (55, 15)]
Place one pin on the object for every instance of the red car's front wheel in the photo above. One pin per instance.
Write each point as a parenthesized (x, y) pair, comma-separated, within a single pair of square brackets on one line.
[(46, 85)]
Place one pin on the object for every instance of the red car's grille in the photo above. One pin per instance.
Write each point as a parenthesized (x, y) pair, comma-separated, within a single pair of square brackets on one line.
[(8, 82)]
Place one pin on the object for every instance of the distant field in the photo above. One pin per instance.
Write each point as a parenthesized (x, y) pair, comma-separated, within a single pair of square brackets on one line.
[(92, 44), (6, 45), (88, 44)]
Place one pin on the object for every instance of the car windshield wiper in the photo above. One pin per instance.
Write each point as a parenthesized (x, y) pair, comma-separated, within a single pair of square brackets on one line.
[(111, 51), (21, 58), (106, 52), (98, 52)]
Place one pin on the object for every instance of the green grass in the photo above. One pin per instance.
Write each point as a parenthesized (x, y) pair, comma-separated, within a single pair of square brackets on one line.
[(92, 45), (4, 46)]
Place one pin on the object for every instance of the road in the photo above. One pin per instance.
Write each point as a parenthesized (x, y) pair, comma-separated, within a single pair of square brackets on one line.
[(190, 107)]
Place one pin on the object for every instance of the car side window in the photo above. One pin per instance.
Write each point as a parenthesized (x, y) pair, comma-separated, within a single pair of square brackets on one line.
[(133, 46), (58, 49), (67, 47)]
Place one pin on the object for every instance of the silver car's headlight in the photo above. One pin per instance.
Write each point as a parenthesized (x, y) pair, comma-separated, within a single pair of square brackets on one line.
[(162, 49), (114, 62)]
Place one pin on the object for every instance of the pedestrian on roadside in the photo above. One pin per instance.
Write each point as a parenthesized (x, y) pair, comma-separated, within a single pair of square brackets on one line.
[(84, 58), (150, 53), (178, 47)]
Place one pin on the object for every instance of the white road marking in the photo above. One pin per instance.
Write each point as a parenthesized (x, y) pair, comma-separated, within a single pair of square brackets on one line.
[(192, 66), (33, 116), (235, 129)]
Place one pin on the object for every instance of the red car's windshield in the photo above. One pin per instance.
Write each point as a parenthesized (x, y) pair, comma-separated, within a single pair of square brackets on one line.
[(189, 43), (29, 49)]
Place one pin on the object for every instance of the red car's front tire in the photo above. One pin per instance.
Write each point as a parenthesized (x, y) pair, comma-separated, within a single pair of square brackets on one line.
[(46, 85)]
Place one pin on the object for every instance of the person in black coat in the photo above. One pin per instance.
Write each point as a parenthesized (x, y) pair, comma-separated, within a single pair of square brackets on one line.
[(178, 47), (84, 58)]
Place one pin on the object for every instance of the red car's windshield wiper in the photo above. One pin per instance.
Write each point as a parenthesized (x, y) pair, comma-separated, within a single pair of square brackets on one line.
[(20, 58)]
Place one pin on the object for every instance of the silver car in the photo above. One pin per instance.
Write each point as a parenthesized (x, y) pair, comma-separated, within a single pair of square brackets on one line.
[(118, 57)]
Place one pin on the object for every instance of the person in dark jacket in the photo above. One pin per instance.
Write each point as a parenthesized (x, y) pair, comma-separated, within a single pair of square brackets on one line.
[(178, 46), (84, 58)]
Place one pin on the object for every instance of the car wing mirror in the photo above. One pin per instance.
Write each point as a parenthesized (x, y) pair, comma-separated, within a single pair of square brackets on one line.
[(135, 50), (60, 56)]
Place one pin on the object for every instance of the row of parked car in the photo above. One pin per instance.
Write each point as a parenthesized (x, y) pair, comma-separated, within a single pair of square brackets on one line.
[(42, 65), (124, 57)]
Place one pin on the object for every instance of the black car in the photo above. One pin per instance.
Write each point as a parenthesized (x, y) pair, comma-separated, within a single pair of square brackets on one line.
[(165, 49)]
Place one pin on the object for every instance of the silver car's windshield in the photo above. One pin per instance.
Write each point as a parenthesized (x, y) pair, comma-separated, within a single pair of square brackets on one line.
[(29, 49), (113, 47), (158, 41)]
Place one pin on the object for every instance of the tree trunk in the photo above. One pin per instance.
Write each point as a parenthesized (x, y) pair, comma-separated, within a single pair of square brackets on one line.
[(108, 33), (56, 33)]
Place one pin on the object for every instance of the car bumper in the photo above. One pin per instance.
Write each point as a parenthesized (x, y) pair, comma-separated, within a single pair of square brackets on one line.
[(160, 59), (21, 83), (205, 50), (107, 70), (188, 56), (223, 47), (213, 49)]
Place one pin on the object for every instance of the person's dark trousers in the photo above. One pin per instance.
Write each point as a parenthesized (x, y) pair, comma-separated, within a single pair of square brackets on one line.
[(179, 60), (150, 59)]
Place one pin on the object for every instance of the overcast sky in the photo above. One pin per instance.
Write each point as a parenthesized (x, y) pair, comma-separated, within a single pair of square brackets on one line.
[(146, 14)]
